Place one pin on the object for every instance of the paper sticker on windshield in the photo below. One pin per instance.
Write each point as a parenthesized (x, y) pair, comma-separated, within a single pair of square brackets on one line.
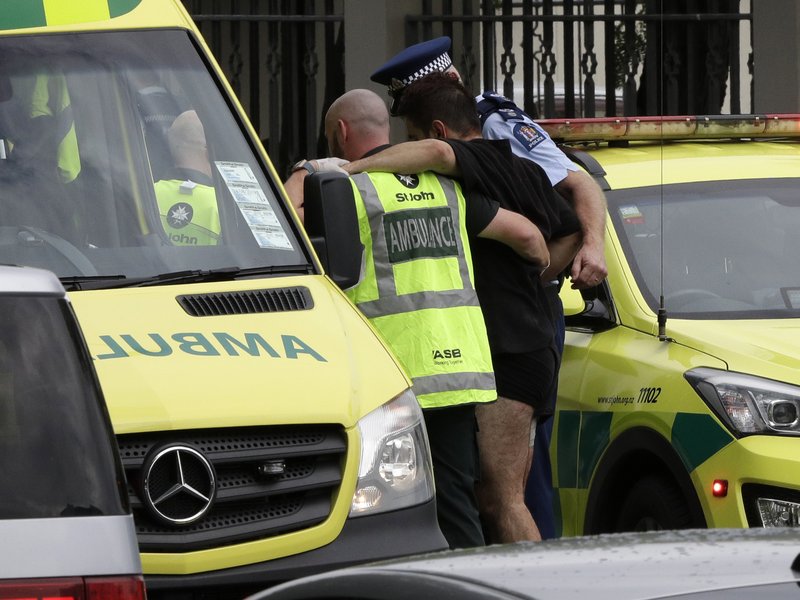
[(254, 206), (631, 215), (236, 172)]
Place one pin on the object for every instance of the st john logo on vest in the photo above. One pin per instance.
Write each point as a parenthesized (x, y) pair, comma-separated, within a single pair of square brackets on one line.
[(180, 215), (410, 181), (420, 233)]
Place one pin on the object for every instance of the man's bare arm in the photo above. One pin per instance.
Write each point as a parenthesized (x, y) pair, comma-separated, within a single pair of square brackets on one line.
[(294, 189), (520, 234), (586, 197), (410, 157), (562, 251)]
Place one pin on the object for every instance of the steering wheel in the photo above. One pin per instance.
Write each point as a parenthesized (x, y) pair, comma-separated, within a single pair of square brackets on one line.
[(688, 296), (31, 237)]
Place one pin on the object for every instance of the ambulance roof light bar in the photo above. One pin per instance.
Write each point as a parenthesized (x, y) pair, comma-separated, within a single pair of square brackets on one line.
[(672, 128)]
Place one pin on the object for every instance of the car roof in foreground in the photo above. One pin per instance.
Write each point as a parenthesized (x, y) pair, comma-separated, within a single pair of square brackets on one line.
[(28, 280), (614, 566)]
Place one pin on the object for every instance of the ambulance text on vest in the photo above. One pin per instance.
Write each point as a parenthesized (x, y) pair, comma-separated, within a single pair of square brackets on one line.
[(420, 233)]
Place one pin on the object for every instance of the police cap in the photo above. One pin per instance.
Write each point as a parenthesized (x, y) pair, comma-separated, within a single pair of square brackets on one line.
[(411, 64)]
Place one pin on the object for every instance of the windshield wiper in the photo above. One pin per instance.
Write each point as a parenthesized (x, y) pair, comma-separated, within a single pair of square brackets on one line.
[(221, 274), (88, 282), (187, 276), (190, 276)]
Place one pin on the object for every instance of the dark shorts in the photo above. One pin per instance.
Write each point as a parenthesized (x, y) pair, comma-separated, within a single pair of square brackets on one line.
[(456, 469), (527, 377)]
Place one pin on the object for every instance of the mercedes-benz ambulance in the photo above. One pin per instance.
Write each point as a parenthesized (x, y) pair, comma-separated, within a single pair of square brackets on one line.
[(264, 428)]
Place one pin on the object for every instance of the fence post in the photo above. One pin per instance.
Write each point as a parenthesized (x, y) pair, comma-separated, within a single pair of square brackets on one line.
[(373, 33), (776, 65)]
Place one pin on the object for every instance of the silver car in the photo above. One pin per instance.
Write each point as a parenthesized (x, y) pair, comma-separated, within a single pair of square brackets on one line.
[(692, 564), (66, 529)]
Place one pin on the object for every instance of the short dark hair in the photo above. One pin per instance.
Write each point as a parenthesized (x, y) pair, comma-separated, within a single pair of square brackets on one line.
[(439, 96)]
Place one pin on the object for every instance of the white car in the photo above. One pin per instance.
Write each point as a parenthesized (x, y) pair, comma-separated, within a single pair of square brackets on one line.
[(66, 529)]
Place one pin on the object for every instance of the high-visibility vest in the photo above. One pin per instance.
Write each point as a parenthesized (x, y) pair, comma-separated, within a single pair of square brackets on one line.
[(50, 98), (189, 212), (417, 285)]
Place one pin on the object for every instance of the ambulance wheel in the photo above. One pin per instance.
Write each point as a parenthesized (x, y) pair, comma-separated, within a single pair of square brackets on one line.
[(654, 503)]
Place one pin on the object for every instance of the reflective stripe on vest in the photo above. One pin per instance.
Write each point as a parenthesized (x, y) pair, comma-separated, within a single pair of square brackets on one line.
[(389, 301), (418, 289)]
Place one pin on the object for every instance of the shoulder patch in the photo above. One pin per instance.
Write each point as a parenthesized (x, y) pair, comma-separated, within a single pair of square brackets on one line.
[(529, 135), (511, 114)]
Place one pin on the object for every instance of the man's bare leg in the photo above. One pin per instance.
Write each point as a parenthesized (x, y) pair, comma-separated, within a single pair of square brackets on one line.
[(504, 445)]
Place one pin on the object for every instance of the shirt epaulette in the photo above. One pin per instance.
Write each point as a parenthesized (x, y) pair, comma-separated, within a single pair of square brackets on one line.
[(492, 102)]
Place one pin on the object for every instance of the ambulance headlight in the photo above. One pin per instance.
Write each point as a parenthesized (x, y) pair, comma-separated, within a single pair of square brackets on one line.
[(395, 470), (749, 404), (778, 513)]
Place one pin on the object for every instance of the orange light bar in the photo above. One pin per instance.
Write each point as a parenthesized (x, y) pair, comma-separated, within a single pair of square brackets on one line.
[(673, 127), (780, 125), (585, 129), (649, 128), (730, 126)]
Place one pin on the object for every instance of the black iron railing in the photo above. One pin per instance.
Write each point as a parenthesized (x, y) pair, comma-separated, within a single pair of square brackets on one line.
[(569, 58), (284, 61), (285, 58)]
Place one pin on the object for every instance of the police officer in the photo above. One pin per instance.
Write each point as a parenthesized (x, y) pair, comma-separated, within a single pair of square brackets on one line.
[(187, 202), (502, 119), (417, 289)]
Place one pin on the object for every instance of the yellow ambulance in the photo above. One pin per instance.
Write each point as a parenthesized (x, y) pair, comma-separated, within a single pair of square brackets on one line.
[(679, 391), (265, 429)]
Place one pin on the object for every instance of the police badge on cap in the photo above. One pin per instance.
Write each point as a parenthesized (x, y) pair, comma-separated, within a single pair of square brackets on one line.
[(411, 64)]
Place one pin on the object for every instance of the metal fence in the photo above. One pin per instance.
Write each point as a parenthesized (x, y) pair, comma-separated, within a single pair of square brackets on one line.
[(284, 61), (569, 58)]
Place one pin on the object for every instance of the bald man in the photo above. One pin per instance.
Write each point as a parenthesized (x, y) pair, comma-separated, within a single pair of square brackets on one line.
[(186, 198), (418, 291), (356, 124), (187, 143)]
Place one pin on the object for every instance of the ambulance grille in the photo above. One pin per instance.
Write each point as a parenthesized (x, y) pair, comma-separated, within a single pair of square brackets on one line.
[(269, 481), (247, 302)]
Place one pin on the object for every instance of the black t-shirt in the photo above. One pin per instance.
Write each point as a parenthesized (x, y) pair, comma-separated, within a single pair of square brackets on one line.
[(480, 211), (515, 306)]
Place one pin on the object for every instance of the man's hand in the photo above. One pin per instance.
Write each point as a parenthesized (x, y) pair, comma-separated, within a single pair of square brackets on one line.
[(329, 165), (580, 190), (588, 267)]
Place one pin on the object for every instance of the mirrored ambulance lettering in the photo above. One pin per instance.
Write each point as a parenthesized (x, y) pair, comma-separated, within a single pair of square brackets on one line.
[(198, 344)]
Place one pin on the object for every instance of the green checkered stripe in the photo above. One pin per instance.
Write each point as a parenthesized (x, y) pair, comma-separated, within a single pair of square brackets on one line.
[(22, 14), (695, 437)]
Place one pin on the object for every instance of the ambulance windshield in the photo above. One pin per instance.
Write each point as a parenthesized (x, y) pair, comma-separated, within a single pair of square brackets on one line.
[(730, 248), (120, 159)]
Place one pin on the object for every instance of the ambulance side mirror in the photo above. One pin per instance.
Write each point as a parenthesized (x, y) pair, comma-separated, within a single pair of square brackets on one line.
[(331, 223), (571, 300)]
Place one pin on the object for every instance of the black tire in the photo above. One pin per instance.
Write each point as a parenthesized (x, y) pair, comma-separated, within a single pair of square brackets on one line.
[(654, 503)]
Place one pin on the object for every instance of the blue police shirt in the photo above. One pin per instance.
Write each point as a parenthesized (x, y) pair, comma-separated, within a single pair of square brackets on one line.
[(528, 141)]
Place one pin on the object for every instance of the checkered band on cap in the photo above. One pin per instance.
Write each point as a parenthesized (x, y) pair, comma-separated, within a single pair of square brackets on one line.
[(439, 64)]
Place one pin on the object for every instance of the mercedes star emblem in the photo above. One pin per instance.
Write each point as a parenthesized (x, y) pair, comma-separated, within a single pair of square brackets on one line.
[(179, 484)]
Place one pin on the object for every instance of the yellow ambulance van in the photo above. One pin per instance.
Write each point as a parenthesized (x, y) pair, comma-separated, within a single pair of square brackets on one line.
[(264, 428)]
